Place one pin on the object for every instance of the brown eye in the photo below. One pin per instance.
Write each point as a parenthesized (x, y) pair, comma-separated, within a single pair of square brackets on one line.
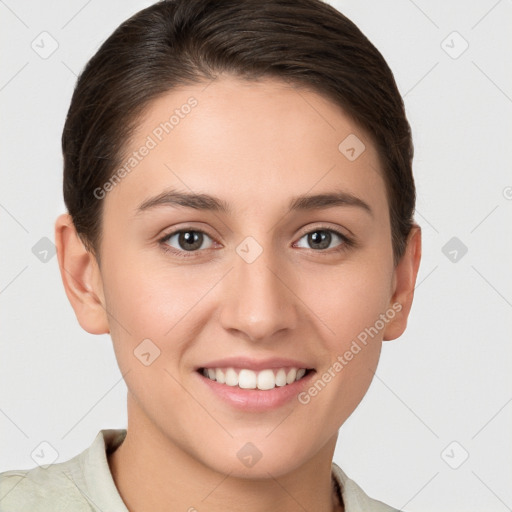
[(321, 239), (188, 240)]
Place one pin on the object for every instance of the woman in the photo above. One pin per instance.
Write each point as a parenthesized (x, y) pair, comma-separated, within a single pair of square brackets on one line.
[(240, 204)]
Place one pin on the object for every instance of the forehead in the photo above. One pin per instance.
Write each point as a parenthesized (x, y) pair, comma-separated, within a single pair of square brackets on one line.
[(252, 143)]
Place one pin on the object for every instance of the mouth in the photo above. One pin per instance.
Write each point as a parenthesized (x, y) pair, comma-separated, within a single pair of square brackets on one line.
[(263, 380)]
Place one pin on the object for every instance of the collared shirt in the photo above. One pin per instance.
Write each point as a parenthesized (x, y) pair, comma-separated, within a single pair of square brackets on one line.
[(85, 483)]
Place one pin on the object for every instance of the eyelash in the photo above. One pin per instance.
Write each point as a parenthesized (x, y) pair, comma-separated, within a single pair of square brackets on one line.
[(346, 245)]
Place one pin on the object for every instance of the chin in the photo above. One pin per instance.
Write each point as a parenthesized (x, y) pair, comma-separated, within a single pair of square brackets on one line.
[(247, 461)]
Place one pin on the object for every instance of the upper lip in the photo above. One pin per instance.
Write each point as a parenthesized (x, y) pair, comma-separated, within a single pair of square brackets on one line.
[(255, 364)]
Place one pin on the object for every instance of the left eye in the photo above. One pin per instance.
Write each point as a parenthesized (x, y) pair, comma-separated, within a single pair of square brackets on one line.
[(322, 238)]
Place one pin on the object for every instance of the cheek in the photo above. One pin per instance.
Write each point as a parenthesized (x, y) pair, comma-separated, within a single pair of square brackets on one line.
[(350, 305), (349, 301), (147, 297), (150, 300)]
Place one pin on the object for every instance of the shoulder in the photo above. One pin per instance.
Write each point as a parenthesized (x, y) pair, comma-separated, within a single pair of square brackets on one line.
[(41, 490), (354, 498), (78, 484)]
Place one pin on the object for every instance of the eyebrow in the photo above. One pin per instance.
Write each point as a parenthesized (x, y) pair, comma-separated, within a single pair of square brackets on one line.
[(211, 203)]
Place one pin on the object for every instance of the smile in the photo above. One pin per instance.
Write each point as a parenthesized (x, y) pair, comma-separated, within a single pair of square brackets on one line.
[(248, 379)]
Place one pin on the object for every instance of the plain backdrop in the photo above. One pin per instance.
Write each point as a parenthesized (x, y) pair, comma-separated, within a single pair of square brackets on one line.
[(434, 430)]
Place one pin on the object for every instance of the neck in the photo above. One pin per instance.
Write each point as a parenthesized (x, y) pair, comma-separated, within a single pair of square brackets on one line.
[(153, 474)]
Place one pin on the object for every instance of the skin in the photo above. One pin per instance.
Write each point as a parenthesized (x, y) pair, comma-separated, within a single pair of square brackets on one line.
[(254, 145)]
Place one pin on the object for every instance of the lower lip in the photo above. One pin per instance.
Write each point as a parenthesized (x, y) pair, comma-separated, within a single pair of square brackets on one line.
[(257, 400)]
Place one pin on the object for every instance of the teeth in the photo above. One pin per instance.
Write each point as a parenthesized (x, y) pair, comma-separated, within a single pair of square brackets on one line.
[(292, 374), (281, 378), (266, 379), (220, 376), (300, 374), (231, 377), (249, 379)]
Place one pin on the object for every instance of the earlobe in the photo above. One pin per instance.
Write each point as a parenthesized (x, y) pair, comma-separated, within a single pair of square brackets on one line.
[(404, 278), (81, 277)]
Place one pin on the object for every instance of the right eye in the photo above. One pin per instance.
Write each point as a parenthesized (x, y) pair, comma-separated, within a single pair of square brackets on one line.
[(185, 240)]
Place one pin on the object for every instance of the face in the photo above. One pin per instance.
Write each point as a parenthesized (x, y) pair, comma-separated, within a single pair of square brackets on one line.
[(261, 280)]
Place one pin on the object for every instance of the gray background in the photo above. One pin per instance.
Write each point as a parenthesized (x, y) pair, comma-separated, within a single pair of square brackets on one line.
[(443, 391)]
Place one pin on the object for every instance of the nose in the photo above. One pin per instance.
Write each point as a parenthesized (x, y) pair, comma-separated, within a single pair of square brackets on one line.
[(259, 300)]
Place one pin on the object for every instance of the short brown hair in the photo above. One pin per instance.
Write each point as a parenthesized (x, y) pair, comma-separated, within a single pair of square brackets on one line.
[(306, 43)]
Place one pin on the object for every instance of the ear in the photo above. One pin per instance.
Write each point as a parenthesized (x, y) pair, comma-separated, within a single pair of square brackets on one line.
[(404, 281), (81, 277)]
